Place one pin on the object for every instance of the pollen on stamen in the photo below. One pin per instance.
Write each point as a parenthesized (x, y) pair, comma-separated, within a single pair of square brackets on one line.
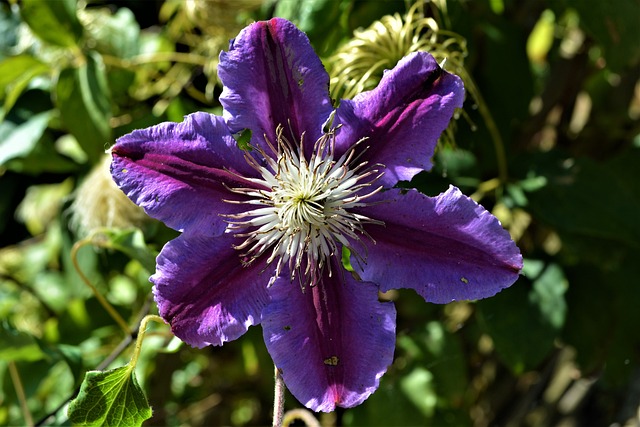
[(300, 217)]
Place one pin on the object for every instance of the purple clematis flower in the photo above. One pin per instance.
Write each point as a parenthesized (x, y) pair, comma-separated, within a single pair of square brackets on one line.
[(264, 228)]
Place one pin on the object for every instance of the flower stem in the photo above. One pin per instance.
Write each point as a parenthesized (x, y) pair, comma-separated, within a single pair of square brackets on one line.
[(17, 384), (141, 331), (115, 353), (185, 58), (101, 299), (278, 399), (486, 187), (492, 127)]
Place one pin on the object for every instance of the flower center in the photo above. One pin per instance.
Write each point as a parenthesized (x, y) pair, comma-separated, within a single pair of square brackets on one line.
[(303, 214)]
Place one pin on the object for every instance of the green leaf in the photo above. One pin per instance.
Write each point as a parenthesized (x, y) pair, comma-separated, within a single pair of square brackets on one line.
[(446, 361), (243, 138), (110, 398), (593, 206), (16, 345), (44, 158), (319, 19), (614, 25), (53, 21), (9, 24), (114, 34), (603, 323), (26, 145), (15, 74), (41, 205), (418, 386), (505, 316), (541, 38), (387, 407), (20, 140), (70, 355), (82, 95), (548, 294), (131, 243)]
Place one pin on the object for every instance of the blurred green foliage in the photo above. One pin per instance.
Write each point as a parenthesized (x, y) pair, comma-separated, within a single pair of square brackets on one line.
[(560, 80)]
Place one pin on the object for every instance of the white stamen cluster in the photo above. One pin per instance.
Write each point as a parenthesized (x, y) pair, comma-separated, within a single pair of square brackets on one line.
[(304, 217)]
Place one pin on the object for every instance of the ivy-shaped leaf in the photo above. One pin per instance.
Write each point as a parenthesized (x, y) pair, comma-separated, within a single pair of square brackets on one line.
[(110, 398)]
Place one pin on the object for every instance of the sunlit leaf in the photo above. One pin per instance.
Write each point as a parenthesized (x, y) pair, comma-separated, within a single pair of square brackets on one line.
[(115, 34), (541, 38), (15, 74), (320, 19), (419, 389), (110, 398), (26, 145), (82, 95), (243, 139), (20, 140), (53, 21), (548, 294), (41, 205)]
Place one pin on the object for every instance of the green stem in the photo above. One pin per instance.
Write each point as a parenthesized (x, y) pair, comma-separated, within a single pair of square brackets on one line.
[(185, 58), (17, 384), (122, 346), (141, 332), (300, 414), (101, 299), (486, 187), (494, 132)]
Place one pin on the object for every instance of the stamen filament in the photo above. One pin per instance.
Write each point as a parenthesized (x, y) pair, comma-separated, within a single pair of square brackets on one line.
[(304, 218)]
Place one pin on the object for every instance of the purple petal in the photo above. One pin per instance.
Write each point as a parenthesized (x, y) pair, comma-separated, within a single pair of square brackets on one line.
[(178, 171), (446, 247), (333, 342), (403, 117), (205, 293), (271, 77)]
